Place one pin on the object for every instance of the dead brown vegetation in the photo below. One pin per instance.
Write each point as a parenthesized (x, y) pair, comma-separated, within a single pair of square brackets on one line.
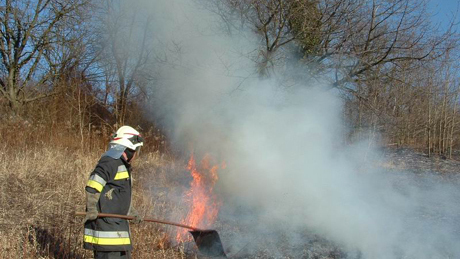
[(44, 175)]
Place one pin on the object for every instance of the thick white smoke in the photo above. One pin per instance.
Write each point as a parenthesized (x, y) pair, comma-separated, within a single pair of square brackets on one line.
[(288, 167)]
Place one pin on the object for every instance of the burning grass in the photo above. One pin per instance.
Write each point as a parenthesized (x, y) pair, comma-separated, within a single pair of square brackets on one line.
[(203, 203), (44, 186), (44, 182)]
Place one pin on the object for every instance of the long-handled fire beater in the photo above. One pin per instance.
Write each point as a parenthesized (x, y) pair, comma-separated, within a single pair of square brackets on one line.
[(207, 240)]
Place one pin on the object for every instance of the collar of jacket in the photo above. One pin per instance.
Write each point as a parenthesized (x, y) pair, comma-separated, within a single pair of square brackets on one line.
[(115, 151)]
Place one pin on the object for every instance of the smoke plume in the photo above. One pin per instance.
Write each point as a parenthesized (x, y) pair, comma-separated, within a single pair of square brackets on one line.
[(289, 169)]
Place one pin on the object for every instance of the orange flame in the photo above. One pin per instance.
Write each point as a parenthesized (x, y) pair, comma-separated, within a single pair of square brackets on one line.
[(204, 205)]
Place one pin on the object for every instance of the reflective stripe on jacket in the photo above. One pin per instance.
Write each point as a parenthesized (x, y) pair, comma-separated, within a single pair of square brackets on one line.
[(112, 179)]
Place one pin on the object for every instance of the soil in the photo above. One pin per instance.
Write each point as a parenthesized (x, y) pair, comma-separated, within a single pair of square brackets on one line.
[(420, 163)]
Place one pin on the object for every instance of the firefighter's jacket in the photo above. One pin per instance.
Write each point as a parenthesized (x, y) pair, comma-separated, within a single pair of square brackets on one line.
[(112, 178)]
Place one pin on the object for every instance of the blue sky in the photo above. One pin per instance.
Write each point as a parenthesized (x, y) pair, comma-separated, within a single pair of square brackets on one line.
[(443, 11)]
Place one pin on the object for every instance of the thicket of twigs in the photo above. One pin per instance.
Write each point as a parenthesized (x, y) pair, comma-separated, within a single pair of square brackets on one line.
[(396, 69)]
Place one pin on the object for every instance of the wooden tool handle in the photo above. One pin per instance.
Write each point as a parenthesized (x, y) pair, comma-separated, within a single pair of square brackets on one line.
[(108, 215)]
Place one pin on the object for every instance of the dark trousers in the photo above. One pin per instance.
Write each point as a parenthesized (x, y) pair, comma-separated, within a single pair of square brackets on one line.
[(112, 255)]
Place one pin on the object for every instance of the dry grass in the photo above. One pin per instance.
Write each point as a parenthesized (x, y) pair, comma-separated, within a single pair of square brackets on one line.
[(43, 180), (41, 188)]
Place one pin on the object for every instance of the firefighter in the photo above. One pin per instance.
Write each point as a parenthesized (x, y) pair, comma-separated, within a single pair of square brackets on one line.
[(109, 191)]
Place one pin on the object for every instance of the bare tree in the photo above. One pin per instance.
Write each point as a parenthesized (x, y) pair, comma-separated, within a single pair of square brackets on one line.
[(383, 34), (278, 22), (348, 36), (30, 29), (379, 53), (124, 39)]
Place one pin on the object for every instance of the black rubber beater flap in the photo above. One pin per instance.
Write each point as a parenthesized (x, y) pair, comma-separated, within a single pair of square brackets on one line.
[(208, 243)]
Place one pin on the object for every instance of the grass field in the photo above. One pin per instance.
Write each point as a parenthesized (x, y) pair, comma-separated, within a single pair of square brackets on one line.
[(43, 185)]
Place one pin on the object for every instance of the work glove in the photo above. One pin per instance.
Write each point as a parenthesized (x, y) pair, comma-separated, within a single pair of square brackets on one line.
[(91, 205), (137, 218)]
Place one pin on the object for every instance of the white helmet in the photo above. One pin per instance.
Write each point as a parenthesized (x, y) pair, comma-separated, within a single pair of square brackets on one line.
[(128, 137)]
